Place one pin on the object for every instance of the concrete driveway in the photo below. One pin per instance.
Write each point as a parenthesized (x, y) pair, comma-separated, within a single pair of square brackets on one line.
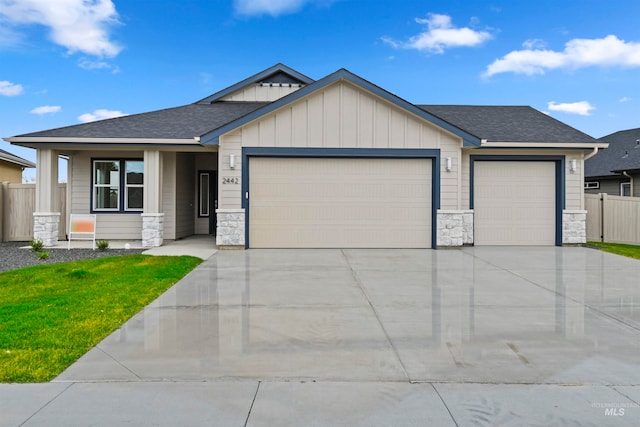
[(481, 335)]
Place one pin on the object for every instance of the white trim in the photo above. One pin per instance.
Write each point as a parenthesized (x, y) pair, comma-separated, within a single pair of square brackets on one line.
[(496, 144), (591, 187), (65, 140)]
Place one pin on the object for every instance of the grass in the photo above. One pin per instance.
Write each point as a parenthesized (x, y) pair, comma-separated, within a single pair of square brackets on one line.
[(631, 251), (50, 315)]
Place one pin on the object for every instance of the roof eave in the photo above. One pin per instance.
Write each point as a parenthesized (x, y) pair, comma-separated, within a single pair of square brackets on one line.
[(575, 145), (33, 141), (17, 161)]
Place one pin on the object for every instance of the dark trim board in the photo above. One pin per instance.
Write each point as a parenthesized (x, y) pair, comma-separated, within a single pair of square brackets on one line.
[(560, 180), (433, 154)]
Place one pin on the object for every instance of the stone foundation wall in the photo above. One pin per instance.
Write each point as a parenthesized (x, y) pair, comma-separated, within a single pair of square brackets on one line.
[(455, 228), (574, 227), (152, 229), (45, 227), (230, 228)]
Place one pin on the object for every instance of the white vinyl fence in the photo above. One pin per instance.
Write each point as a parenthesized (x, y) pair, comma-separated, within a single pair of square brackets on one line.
[(17, 203), (613, 219)]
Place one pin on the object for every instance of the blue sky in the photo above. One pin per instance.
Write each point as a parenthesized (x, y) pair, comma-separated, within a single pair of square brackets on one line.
[(64, 62)]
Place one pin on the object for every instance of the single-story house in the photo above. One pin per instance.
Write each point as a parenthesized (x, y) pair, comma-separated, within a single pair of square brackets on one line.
[(616, 170), (279, 160), (12, 166)]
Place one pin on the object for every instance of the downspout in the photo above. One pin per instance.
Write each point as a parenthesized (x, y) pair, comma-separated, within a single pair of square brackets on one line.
[(630, 182), (593, 153)]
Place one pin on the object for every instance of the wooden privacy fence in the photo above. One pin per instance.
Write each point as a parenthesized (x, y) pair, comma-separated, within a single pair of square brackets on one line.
[(613, 219), (17, 203)]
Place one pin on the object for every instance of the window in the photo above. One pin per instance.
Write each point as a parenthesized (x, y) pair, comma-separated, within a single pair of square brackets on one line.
[(591, 185), (118, 185), (204, 180), (625, 189)]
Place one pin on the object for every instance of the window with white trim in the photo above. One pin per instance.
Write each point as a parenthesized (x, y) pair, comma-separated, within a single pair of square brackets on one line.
[(591, 185), (117, 185), (625, 189)]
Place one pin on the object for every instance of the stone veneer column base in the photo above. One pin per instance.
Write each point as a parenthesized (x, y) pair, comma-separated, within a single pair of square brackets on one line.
[(152, 229), (455, 228), (574, 227), (45, 227), (230, 229)]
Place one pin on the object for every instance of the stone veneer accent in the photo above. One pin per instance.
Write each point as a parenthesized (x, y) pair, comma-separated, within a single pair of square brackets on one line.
[(574, 227), (455, 228), (152, 229), (230, 228), (45, 227)]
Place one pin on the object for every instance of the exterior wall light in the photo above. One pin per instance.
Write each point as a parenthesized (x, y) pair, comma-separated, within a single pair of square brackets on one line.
[(232, 161), (447, 164), (573, 165)]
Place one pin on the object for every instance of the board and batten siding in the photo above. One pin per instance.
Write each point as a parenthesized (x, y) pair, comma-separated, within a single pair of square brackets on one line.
[(258, 92), (109, 226), (574, 181), (341, 116)]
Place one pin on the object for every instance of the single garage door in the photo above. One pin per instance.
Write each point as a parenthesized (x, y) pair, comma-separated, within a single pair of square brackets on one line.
[(339, 203), (514, 203)]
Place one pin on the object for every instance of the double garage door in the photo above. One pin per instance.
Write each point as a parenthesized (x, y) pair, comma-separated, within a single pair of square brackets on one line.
[(340, 203)]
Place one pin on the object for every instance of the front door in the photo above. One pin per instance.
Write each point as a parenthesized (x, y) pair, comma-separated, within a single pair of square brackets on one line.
[(208, 197)]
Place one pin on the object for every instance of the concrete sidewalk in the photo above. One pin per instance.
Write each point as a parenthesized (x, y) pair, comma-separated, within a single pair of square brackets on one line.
[(478, 336), (297, 403)]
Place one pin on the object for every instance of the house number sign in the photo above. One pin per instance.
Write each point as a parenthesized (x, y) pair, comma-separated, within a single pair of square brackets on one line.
[(230, 180)]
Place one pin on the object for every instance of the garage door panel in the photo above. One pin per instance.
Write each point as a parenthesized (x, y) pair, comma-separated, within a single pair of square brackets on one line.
[(514, 203), (307, 202)]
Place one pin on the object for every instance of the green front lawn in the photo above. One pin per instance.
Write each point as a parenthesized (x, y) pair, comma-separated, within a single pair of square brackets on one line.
[(50, 315), (631, 251)]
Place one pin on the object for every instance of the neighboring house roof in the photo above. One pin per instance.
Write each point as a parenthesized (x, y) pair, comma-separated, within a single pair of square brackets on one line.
[(12, 158), (623, 154), (508, 123)]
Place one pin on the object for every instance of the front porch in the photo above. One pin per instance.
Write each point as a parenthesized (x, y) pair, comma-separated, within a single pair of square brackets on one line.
[(145, 196)]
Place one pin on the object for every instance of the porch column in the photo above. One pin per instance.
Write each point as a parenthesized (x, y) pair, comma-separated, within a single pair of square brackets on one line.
[(153, 217), (46, 215)]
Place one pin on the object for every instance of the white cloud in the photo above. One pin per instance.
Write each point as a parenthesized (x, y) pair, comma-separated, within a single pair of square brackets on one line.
[(609, 51), (10, 89), (87, 64), (46, 109), (78, 25), (624, 99), (269, 7), (440, 35), (582, 108), (100, 115)]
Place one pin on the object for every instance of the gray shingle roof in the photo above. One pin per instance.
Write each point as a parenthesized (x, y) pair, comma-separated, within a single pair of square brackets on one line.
[(508, 123), (12, 158), (623, 154), (183, 122)]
